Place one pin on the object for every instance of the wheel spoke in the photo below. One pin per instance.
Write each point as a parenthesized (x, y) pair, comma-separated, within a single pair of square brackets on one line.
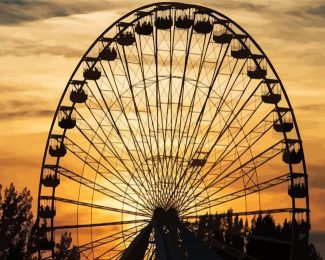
[(244, 192), (95, 206), (91, 162), (243, 170), (105, 224), (110, 238)]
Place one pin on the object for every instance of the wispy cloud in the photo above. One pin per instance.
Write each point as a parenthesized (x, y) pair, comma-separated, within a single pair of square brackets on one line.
[(317, 11), (11, 161), (25, 114), (312, 107), (32, 47), (16, 12), (21, 106)]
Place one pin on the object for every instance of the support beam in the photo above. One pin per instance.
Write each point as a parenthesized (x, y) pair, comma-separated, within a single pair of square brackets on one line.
[(139, 245), (165, 248)]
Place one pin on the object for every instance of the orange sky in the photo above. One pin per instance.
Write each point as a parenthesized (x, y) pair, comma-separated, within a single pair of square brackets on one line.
[(42, 42)]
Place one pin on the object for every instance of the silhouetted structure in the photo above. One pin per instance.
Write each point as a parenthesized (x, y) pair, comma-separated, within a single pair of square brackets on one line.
[(172, 112)]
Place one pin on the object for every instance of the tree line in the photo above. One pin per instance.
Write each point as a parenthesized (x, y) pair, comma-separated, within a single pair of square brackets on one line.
[(226, 233), (231, 236)]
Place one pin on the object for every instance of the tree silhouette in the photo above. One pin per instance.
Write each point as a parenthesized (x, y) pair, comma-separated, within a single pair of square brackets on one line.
[(229, 223), (286, 230), (19, 237), (33, 241), (266, 240), (15, 222), (265, 227), (63, 251), (218, 232), (237, 238)]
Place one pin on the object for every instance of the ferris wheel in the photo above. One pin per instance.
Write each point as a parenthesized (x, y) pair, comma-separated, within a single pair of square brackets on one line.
[(174, 112)]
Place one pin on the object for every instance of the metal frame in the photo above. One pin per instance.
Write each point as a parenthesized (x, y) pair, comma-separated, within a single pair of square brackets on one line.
[(143, 177)]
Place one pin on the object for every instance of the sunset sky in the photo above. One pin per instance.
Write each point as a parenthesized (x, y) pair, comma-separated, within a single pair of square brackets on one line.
[(42, 42)]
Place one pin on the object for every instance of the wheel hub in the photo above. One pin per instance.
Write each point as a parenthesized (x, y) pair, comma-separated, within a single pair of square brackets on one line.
[(165, 217)]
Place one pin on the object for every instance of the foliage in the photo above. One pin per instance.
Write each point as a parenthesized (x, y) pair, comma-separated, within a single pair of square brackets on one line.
[(262, 238), (222, 230), (62, 249), (19, 237), (15, 222), (265, 228)]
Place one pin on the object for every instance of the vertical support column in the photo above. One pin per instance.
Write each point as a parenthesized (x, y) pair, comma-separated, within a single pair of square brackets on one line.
[(139, 245)]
